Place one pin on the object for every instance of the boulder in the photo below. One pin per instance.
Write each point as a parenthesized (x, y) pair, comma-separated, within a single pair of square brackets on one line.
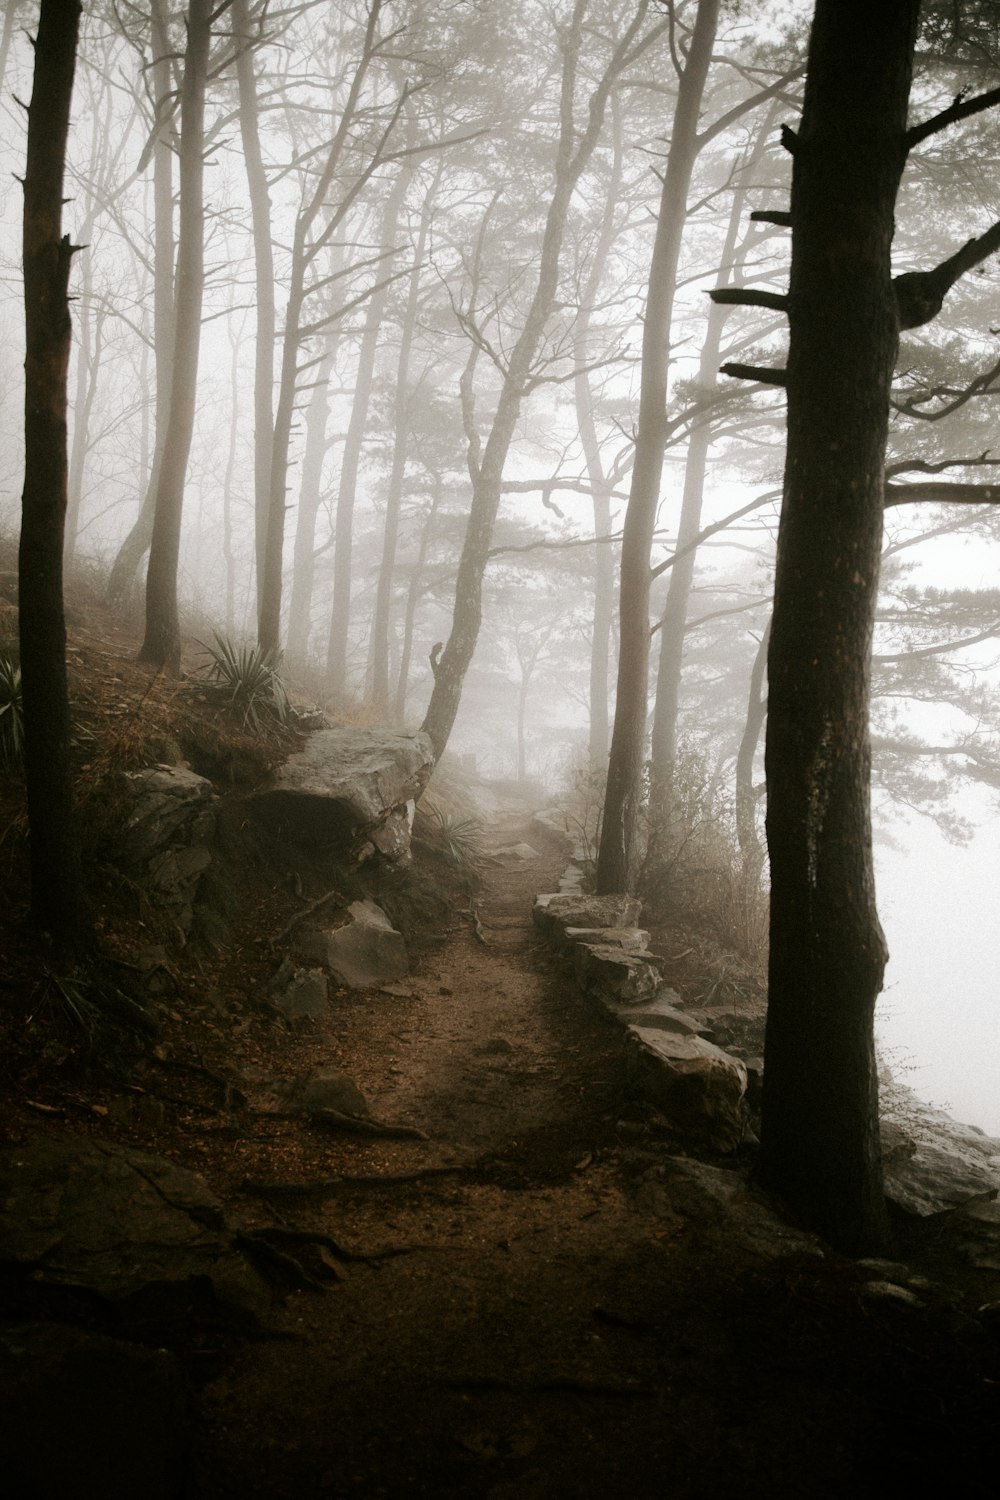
[(516, 854), (324, 1088), (352, 790), (553, 913), (364, 953), (305, 996), (125, 1226), (932, 1163), (89, 1415), (697, 1087), (169, 824), (606, 971)]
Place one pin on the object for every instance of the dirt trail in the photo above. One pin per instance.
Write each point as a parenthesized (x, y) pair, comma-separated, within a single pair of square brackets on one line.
[(565, 1310)]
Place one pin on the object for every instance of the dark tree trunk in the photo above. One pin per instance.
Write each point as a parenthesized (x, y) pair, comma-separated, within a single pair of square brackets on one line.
[(820, 1136), (162, 644), (617, 859), (56, 888)]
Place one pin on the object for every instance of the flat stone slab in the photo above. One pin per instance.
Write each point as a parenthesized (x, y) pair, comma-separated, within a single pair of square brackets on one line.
[(697, 1087), (349, 785), (614, 975), (661, 1013), (629, 939), (130, 1227), (516, 854), (551, 912)]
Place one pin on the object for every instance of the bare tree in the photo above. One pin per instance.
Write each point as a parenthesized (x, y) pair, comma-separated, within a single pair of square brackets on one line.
[(56, 888)]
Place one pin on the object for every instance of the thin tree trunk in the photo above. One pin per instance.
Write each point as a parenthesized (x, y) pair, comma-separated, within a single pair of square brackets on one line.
[(379, 648), (600, 486), (574, 151), (663, 742), (162, 644), (410, 614), (263, 255), (343, 549), (122, 578), (617, 859), (303, 556), (56, 885), (820, 1133)]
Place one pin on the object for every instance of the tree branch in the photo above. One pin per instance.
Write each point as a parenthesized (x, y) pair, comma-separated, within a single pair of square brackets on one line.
[(763, 374), (960, 109), (920, 294), (744, 296)]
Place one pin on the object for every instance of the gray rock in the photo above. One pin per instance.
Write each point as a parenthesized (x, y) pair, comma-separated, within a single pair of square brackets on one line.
[(697, 1087), (607, 971), (516, 854), (306, 995), (351, 788), (932, 1163), (169, 824), (629, 939), (129, 1227), (324, 1088), (90, 1415), (364, 953), (552, 913), (661, 1013)]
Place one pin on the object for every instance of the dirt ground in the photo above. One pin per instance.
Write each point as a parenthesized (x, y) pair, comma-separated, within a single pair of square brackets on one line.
[(549, 1300)]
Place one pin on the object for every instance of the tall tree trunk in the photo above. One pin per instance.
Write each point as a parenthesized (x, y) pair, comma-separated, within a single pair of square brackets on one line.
[(303, 555), (663, 741), (820, 1135), (121, 580), (379, 648), (573, 152), (412, 600), (56, 887), (617, 858), (600, 485), (162, 644), (263, 255), (343, 547)]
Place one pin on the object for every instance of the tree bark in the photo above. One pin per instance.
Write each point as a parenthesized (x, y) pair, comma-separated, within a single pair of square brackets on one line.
[(56, 886), (820, 1134), (162, 644), (263, 256), (617, 859)]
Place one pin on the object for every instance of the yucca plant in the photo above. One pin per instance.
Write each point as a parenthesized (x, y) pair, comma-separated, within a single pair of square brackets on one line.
[(459, 841), (11, 715), (250, 678)]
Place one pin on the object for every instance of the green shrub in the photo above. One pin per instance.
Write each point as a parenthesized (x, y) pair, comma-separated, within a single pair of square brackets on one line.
[(250, 679), (11, 715)]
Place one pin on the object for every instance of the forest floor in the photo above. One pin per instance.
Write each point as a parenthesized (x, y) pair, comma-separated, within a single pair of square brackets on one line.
[(546, 1297)]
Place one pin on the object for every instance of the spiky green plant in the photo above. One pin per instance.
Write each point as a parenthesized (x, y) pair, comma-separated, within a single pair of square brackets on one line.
[(251, 679), (11, 715), (458, 841)]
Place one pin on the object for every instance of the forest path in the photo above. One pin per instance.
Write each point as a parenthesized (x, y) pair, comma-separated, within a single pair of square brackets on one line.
[(560, 1307)]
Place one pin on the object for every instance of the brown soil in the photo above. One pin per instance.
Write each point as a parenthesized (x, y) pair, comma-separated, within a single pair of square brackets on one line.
[(545, 1297)]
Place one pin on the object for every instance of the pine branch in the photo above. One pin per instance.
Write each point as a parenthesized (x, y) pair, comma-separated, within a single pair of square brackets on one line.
[(763, 374)]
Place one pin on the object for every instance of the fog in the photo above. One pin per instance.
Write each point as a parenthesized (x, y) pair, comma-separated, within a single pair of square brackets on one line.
[(403, 305)]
